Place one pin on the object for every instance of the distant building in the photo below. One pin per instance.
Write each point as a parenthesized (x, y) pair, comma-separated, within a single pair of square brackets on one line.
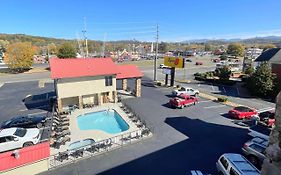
[(250, 55), (219, 52), (273, 57)]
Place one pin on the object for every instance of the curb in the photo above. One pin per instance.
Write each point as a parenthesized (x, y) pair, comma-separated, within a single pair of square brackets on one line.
[(214, 98), (1, 84)]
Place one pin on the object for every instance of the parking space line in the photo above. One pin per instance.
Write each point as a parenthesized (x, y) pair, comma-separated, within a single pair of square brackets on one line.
[(265, 109), (217, 106)]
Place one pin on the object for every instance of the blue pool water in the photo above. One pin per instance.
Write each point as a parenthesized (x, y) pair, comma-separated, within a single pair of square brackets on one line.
[(107, 121)]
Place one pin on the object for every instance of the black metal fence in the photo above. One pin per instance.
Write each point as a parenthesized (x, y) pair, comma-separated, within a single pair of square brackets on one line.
[(70, 156)]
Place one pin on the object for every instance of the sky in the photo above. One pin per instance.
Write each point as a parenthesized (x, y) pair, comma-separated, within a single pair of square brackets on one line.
[(178, 20)]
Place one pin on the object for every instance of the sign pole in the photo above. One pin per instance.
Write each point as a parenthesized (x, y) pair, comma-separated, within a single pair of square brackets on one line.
[(166, 79), (172, 76)]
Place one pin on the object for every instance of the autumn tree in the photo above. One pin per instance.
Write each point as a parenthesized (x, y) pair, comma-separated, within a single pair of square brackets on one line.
[(268, 46), (235, 49), (19, 56), (52, 49), (66, 50)]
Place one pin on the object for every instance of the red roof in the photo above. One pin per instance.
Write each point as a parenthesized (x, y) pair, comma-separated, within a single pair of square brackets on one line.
[(128, 71), (81, 67)]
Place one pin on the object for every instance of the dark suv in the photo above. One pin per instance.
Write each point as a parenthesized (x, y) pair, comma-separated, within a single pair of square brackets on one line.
[(25, 122)]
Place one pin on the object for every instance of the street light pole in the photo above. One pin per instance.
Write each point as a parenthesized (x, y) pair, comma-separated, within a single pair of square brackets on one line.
[(156, 54)]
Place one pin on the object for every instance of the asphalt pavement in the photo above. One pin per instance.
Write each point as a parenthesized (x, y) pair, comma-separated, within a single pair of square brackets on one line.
[(183, 139)]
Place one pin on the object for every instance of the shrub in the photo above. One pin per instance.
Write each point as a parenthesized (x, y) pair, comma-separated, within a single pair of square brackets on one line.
[(222, 99), (159, 84), (178, 86)]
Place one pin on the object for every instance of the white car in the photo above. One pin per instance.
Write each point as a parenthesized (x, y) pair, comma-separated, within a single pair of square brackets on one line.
[(186, 91), (162, 66), (13, 138)]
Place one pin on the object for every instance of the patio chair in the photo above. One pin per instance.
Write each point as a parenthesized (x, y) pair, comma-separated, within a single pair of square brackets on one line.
[(62, 156), (78, 153), (92, 149), (61, 141)]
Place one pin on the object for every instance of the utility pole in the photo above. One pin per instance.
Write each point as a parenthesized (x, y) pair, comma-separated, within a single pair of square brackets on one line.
[(85, 38), (103, 45), (156, 54)]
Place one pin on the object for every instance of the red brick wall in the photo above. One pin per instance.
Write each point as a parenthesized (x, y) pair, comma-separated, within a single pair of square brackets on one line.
[(27, 155)]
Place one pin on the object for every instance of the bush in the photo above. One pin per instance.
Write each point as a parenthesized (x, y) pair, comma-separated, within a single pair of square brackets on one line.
[(159, 84), (178, 86), (222, 99)]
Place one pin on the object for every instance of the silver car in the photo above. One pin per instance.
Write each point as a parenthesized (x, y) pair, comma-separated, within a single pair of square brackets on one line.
[(254, 150)]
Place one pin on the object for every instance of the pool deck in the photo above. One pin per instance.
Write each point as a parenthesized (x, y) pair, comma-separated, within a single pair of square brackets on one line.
[(97, 135)]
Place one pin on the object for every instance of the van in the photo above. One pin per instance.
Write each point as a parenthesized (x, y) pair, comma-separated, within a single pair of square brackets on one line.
[(235, 164)]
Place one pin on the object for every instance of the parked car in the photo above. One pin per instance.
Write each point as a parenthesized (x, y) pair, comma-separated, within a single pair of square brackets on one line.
[(197, 172), (162, 66), (25, 122), (267, 118), (242, 112), (235, 164), (199, 63), (183, 100), (185, 90), (188, 60), (254, 150), (259, 131), (13, 138)]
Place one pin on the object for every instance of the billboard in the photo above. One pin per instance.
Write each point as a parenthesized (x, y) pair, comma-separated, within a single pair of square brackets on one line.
[(177, 62)]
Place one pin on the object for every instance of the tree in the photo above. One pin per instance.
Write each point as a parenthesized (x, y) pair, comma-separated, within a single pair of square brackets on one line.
[(262, 81), (235, 49), (268, 46), (3, 45), (66, 50), (249, 70), (19, 56), (207, 47), (163, 47), (223, 73), (52, 49)]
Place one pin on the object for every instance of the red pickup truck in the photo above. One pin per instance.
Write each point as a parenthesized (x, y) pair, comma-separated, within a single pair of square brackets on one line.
[(183, 100)]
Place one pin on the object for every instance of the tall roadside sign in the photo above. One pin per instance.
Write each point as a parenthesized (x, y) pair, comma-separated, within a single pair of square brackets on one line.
[(173, 63)]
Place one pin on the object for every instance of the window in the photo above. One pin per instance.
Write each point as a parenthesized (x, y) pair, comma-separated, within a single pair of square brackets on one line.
[(233, 172), (257, 148), (2, 139), (20, 132), (224, 162), (108, 81)]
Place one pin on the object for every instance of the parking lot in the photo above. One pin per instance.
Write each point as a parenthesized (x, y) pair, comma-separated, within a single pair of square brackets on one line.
[(25, 98), (184, 139)]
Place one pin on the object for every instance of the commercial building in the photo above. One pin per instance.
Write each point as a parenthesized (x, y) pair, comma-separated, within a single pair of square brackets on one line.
[(81, 81)]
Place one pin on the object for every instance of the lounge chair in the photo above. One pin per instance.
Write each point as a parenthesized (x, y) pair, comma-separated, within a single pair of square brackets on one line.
[(61, 119), (60, 128), (58, 123), (62, 156), (60, 134)]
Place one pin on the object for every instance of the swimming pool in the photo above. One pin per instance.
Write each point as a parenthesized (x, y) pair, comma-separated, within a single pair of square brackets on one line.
[(107, 120)]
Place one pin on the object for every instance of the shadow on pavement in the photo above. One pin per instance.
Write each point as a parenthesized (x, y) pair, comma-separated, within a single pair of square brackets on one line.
[(205, 143)]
